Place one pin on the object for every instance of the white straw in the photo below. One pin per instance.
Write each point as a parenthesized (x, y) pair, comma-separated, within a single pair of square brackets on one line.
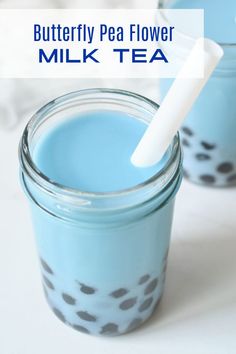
[(177, 104)]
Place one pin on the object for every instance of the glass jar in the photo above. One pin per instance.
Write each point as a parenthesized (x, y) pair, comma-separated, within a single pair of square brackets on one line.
[(103, 256), (208, 135)]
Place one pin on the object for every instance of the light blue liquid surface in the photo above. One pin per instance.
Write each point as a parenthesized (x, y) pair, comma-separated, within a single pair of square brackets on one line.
[(92, 152)]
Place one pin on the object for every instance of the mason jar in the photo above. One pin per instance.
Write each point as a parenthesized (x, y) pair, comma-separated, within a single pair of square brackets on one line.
[(208, 135), (103, 256)]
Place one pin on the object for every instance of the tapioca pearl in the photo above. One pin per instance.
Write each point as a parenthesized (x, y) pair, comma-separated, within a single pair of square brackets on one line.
[(209, 179), (225, 167), (128, 304), (59, 314), (48, 283), (46, 266), (119, 293), (151, 286), (87, 289), (146, 304), (202, 157), (134, 324), (144, 279), (80, 328), (185, 173), (231, 178), (109, 328), (187, 131), (185, 142), (84, 315), (68, 299), (208, 146)]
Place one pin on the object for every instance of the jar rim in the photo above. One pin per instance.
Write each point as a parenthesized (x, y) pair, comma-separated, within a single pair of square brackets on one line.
[(52, 187)]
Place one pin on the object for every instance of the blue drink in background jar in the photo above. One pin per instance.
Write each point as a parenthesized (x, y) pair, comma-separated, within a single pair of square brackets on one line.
[(102, 225), (209, 132)]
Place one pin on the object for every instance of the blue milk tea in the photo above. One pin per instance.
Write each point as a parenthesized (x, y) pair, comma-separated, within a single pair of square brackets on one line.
[(209, 132), (102, 225)]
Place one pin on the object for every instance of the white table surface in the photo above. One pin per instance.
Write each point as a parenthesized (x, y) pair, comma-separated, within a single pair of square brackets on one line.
[(197, 314)]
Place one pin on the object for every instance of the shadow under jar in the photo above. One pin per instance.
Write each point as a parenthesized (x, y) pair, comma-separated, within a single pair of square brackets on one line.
[(208, 135), (103, 255)]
